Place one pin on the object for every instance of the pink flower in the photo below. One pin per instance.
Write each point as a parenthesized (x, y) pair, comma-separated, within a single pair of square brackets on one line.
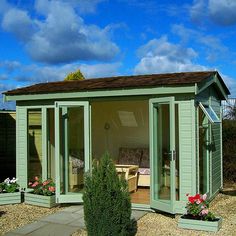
[(51, 189), (36, 178), (45, 183), (30, 183), (204, 197), (204, 212), (35, 184), (198, 201), (203, 206)]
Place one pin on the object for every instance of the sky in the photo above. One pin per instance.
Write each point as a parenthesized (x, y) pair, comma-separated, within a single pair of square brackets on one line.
[(43, 40)]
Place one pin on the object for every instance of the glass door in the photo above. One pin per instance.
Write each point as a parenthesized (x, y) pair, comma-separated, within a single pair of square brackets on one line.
[(162, 130), (71, 149)]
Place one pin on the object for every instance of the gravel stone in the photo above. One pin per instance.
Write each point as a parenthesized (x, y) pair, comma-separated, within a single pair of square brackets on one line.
[(17, 215)]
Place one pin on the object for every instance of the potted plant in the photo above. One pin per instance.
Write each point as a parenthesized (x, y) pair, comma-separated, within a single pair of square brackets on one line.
[(198, 216), (9, 192), (43, 193)]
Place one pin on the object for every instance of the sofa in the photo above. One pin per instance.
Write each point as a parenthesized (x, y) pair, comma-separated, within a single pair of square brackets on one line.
[(139, 157)]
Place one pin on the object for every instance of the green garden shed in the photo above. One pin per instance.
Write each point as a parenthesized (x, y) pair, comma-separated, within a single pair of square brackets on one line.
[(163, 132)]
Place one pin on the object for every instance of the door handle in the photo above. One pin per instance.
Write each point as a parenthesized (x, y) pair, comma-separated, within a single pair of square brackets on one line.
[(171, 154)]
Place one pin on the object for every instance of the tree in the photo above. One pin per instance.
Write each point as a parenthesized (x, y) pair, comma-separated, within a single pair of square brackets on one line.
[(77, 75), (107, 206), (231, 112)]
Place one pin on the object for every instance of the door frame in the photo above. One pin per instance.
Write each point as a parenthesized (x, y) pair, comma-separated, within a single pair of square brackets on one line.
[(157, 204), (71, 197)]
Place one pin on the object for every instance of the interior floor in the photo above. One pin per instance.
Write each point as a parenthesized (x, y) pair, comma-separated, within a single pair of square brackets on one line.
[(141, 196)]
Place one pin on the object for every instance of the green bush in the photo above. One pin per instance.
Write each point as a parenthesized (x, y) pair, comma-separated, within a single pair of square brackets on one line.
[(107, 206), (229, 150)]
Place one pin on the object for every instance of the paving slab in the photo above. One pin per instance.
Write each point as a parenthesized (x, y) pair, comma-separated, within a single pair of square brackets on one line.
[(61, 223), (30, 227), (54, 230), (78, 223), (137, 214), (61, 218), (12, 234), (73, 208)]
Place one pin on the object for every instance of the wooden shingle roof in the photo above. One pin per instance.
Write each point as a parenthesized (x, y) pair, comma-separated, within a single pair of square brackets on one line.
[(119, 82)]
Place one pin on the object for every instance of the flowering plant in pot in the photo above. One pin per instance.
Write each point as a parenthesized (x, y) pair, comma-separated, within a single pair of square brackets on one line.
[(42, 194), (46, 187), (197, 208), (9, 192), (198, 215), (9, 186)]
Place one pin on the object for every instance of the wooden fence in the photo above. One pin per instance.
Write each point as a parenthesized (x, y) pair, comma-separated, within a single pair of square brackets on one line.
[(7, 144)]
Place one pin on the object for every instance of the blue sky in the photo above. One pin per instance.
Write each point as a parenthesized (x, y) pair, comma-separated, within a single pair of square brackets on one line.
[(44, 40)]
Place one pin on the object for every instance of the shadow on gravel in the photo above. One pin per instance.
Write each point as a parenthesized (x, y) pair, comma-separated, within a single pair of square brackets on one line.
[(133, 227), (229, 192), (2, 213)]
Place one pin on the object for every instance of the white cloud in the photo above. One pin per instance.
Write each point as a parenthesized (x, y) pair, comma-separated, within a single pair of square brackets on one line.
[(6, 105), (18, 22), (161, 56), (9, 66), (213, 47), (221, 12), (231, 84), (33, 73), (59, 34)]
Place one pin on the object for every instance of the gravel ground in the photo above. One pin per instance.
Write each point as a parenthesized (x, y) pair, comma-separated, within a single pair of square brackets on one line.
[(14, 216), (223, 205)]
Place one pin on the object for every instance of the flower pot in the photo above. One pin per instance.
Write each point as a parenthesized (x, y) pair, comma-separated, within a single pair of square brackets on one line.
[(213, 226), (40, 200), (10, 198)]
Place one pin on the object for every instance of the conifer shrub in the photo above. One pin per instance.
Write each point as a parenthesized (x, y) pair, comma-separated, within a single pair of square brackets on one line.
[(107, 206)]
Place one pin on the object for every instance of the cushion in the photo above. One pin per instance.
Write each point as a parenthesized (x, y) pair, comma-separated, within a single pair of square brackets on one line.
[(145, 160), (144, 171), (129, 156), (77, 163)]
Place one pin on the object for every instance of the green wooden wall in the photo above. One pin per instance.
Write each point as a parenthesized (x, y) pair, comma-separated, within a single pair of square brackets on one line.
[(21, 145), (216, 139), (187, 149)]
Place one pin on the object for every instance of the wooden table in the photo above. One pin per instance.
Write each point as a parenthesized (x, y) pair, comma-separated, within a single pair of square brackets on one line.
[(130, 173)]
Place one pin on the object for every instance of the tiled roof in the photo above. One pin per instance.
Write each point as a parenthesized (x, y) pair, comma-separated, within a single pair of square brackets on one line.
[(119, 82)]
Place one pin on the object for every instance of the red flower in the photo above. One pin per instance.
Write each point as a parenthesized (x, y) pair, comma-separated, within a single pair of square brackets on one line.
[(191, 199)]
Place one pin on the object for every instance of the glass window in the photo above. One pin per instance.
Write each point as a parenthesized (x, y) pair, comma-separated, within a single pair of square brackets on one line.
[(209, 112), (34, 143)]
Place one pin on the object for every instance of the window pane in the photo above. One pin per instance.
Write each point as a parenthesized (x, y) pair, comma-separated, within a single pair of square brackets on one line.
[(51, 144), (34, 144), (209, 112)]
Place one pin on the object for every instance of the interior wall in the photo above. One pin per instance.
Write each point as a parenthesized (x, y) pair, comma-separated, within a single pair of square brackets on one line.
[(118, 124)]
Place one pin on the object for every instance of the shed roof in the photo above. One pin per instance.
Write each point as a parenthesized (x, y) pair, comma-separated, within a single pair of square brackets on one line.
[(119, 82)]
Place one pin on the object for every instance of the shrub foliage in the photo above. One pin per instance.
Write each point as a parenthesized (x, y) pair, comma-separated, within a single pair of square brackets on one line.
[(107, 206), (77, 75), (229, 150)]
